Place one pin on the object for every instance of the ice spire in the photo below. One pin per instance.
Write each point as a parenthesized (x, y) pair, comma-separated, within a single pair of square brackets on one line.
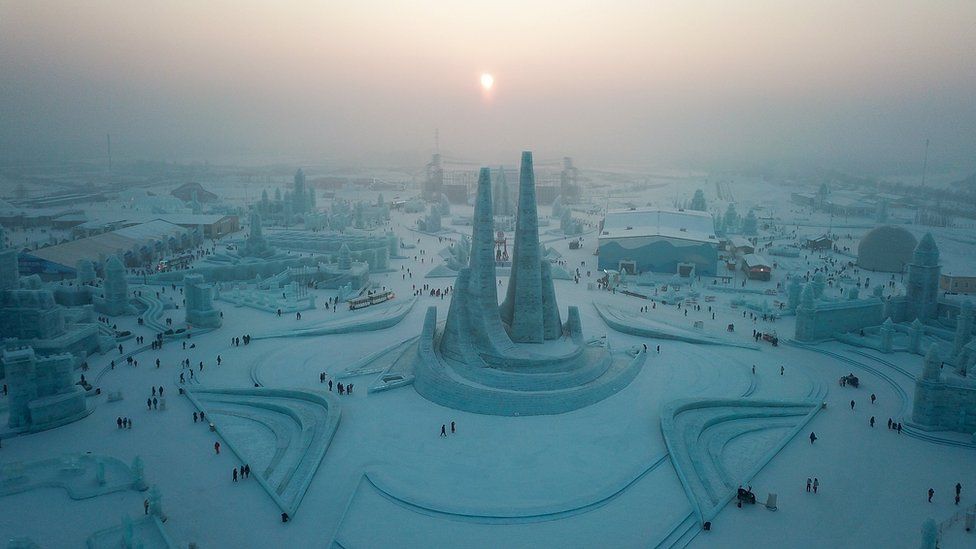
[(530, 307)]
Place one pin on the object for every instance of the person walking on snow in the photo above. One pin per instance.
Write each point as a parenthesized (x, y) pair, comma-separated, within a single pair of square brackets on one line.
[(872, 421), (873, 398), (453, 430), (852, 405), (813, 437), (443, 430), (217, 447), (816, 485), (808, 483), (235, 474), (931, 493)]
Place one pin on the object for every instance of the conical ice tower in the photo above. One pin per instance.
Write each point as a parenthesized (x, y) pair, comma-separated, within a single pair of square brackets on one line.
[(530, 308)]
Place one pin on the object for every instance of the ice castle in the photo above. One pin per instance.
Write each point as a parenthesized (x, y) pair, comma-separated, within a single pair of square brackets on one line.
[(518, 358)]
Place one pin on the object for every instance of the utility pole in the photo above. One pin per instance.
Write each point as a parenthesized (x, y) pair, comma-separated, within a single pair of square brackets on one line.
[(108, 143)]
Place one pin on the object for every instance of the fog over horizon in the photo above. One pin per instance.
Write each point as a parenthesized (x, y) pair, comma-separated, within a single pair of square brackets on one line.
[(833, 84)]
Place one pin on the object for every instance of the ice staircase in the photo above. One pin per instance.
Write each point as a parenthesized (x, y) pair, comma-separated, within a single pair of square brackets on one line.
[(282, 433), (699, 433)]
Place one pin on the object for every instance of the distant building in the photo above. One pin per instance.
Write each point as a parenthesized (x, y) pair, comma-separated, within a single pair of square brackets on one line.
[(185, 193), (72, 199), (546, 194), (434, 179), (822, 242), (957, 284), (569, 188), (848, 205), (209, 225), (667, 241), (455, 193), (14, 216), (740, 246), (886, 249), (756, 267), (69, 221), (137, 245), (808, 200)]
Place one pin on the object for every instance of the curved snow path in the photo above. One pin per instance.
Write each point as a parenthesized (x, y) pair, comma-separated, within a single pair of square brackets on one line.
[(678, 528), (640, 326), (385, 317), (539, 514)]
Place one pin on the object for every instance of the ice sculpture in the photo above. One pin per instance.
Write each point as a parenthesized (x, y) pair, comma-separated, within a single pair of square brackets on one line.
[(530, 304), (200, 312), (923, 280), (505, 360), (115, 299), (256, 245), (42, 391), (750, 225), (943, 401)]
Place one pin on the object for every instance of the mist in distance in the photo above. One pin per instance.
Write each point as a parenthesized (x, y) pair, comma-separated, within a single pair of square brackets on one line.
[(705, 84)]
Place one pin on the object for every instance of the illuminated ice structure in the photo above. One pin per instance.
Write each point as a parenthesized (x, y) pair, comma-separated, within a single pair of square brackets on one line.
[(42, 393), (517, 358)]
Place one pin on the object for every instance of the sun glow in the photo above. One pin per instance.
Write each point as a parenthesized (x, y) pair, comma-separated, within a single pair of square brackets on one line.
[(487, 81)]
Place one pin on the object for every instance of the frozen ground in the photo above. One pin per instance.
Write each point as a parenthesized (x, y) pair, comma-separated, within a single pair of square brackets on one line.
[(600, 476)]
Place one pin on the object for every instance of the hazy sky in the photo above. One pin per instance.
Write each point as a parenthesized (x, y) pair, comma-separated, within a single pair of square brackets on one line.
[(642, 82)]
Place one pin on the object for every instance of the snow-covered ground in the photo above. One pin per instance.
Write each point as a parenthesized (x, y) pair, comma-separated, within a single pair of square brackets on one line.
[(595, 477)]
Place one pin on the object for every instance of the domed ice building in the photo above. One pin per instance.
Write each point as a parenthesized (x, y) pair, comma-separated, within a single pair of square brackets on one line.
[(886, 249)]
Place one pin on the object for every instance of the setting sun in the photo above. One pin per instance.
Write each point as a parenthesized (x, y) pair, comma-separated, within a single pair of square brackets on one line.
[(487, 81)]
